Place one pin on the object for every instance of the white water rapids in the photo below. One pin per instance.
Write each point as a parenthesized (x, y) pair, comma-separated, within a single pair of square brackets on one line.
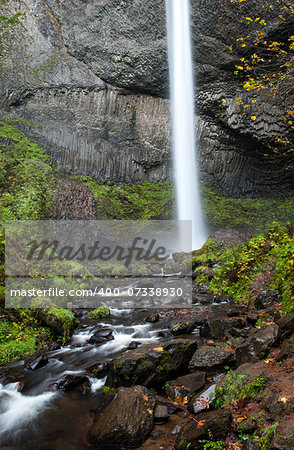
[(182, 110)]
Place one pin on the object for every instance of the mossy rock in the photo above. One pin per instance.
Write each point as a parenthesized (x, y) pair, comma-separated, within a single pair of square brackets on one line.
[(99, 313)]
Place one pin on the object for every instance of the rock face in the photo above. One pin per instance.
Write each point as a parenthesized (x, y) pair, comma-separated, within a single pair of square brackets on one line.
[(126, 421), (93, 77)]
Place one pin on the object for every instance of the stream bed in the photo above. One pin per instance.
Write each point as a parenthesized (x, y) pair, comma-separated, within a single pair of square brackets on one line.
[(35, 415)]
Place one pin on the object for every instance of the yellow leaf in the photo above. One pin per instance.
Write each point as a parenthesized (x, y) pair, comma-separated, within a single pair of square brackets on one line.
[(150, 411), (253, 117), (158, 349)]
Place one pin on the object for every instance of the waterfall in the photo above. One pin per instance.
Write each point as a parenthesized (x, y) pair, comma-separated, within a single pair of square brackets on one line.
[(182, 111)]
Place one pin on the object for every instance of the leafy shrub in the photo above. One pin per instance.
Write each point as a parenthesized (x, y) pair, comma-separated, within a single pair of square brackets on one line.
[(235, 388)]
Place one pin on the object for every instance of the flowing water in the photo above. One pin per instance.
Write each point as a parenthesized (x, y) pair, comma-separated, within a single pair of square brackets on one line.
[(34, 415), (182, 106)]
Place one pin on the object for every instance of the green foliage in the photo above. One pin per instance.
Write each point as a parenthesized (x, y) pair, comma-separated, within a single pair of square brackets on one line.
[(235, 388), (266, 436), (132, 201), (99, 313), (20, 338), (240, 266), (217, 445)]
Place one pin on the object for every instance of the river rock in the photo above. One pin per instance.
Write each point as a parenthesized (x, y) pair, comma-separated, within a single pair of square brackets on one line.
[(70, 382), (212, 329), (210, 359), (216, 425), (182, 328), (201, 402), (152, 318), (151, 364), (38, 363), (161, 413), (126, 422), (187, 385), (258, 345), (101, 335), (266, 299)]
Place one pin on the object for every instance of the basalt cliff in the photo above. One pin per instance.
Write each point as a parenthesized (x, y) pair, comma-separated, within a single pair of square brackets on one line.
[(90, 78)]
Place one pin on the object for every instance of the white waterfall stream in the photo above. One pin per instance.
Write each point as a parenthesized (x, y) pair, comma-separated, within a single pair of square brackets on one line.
[(182, 110)]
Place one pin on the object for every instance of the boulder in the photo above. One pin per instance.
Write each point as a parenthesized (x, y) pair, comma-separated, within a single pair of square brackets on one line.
[(212, 329), (70, 382), (185, 386), (258, 345), (126, 422), (216, 425), (151, 364), (286, 325), (210, 359), (38, 363), (266, 299), (101, 336), (182, 328)]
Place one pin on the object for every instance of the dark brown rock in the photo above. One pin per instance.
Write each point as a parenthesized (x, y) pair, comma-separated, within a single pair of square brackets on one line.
[(210, 359), (215, 428), (258, 345), (126, 422), (187, 385), (151, 364)]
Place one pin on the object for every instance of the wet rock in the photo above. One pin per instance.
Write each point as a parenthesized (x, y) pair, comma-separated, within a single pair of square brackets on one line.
[(152, 318), (266, 299), (258, 345), (210, 359), (133, 345), (70, 382), (201, 402), (99, 370), (161, 413), (126, 421), (101, 335), (212, 329), (54, 347), (182, 328), (171, 407), (286, 325), (38, 363), (216, 425), (187, 385), (151, 364), (234, 322)]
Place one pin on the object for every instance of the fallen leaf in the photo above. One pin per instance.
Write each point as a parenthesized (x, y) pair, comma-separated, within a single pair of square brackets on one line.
[(144, 397), (201, 423), (158, 349)]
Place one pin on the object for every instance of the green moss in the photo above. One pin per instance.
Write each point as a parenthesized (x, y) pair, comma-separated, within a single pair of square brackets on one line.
[(98, 313), (107, 389), (132, 201), (245, 213), (20, 336)]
